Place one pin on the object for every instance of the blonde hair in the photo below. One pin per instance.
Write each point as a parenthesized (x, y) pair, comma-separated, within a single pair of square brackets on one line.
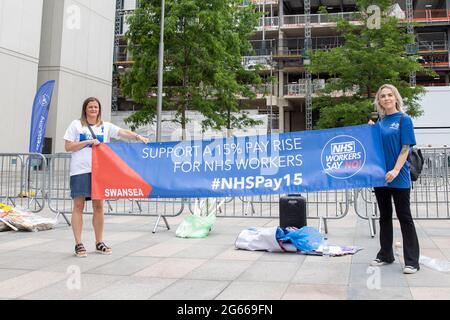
[(398, 98), (83, 118)]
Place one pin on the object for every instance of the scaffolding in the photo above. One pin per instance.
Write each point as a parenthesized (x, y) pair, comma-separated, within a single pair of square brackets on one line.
[(410, 29), (118, 27), (308, 47)]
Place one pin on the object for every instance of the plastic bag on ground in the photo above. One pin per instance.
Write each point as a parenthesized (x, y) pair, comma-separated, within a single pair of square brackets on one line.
[(195, 226), (306, 239), (275, 239), (259, 238), (199, 224), (337, 250), (28, 221), (435, 264)]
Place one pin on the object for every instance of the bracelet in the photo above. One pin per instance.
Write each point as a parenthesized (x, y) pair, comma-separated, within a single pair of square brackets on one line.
[(136, 136)]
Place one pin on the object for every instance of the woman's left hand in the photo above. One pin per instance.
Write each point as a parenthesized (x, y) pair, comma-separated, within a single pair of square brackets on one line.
[(391, 175), (142, 139)]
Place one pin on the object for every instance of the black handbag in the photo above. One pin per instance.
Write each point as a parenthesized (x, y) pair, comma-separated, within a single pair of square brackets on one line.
[(415, 159)]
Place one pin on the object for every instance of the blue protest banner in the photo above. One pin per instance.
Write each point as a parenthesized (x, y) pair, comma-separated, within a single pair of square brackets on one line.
[(39, 115), (341, 158)]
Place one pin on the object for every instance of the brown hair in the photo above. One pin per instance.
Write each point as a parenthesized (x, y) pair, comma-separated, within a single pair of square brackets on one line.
[(83, 118), (398, 98)]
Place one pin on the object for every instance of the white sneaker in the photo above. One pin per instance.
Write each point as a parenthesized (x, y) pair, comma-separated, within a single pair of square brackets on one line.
[(378, 263), (409, 270)]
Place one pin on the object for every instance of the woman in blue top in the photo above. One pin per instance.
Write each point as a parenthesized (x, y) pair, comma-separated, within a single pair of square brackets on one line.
[(397, 142)]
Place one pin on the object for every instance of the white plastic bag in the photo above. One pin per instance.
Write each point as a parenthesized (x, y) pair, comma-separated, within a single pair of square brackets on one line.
[(262, 238), (435, 264)]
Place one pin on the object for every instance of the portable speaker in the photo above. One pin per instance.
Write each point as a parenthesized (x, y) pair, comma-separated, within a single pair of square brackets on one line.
[(293, 211)]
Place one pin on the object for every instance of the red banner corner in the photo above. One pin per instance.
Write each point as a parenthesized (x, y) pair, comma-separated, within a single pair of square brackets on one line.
[(112, 178)]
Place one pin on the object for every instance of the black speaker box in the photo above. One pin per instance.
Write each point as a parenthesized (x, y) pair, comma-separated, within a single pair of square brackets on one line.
[(293, 211)]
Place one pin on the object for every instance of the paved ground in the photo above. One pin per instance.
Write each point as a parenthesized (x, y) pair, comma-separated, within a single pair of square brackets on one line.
[(160, 266)]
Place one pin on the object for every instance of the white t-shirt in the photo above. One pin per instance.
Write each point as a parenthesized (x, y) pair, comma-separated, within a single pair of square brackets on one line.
[(82, 159)]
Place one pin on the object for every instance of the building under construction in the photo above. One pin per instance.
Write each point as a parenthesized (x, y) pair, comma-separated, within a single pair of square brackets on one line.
[(288, 29)]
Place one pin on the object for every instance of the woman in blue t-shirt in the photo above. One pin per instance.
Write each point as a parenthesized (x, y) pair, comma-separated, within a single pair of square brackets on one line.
[(397, 141)]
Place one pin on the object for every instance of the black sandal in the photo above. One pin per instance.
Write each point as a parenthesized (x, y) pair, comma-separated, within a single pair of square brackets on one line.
[(102, 248), (80, 251)]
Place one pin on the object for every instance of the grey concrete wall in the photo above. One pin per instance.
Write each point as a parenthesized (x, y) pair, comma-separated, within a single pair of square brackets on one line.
[(20, 29), (76, 51)]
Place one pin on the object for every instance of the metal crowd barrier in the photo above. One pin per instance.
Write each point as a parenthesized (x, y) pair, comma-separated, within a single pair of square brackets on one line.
[(60, 202), (30, 180), (322, 205), (22, 180), (430, 194)]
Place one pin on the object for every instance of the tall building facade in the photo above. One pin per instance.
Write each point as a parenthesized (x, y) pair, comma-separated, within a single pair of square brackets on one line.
[(20, 25), (279, 43), (69, 41)]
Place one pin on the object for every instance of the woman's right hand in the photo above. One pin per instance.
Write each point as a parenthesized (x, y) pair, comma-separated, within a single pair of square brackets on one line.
[(93, 142)]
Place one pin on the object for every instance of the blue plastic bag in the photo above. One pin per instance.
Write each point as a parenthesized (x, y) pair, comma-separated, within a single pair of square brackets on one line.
[(306, 239)]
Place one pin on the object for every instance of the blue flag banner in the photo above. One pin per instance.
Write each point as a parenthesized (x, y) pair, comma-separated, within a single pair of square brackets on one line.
[(341, 158), (39, 115)]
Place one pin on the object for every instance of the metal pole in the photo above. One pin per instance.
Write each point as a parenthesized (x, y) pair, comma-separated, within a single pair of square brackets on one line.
[(264, 29), (271, 94), (160, 75)]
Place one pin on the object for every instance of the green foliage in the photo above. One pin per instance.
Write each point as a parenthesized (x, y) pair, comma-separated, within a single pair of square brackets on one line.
[(204, 42), (344, 111), (369, 58)]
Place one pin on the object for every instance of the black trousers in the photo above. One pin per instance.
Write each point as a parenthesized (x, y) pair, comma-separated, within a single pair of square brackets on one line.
[(411, 251)]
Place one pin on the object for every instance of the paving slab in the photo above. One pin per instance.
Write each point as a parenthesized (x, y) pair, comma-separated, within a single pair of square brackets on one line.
[(189, 289), (251, 290), (219, 270), (27, 283), (322, 272), (373, 293), (430, 293), (131, 288), (270, 271), (170, 268), (315, 292), (162, 266), (72, 287), (125, 266)]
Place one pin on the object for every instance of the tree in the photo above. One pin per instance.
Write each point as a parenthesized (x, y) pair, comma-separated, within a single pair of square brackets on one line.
[(370, 56), (204, 42)]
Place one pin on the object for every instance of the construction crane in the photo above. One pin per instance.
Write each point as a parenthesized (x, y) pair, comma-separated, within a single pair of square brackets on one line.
[(307, 50), (410, 30)]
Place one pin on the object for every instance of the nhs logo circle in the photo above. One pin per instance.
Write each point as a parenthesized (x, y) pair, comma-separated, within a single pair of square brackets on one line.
[(44, 100), (343, 157)]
